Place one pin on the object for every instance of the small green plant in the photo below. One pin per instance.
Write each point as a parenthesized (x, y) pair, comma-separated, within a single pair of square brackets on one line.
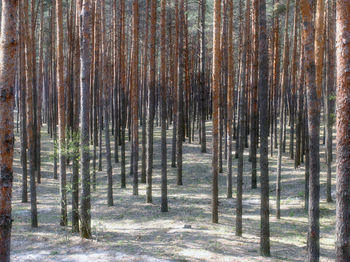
[(332, 97), (70, 149)]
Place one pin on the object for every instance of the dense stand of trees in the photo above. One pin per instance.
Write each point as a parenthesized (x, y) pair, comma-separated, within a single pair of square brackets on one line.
[(89, 69)]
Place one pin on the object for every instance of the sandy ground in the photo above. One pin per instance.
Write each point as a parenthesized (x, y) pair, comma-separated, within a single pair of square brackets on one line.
[(132, 230)]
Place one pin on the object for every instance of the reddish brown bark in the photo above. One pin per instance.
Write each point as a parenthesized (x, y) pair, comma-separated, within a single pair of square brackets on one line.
[(314, 106), (8, 47), (343, 132), (30, 116), (319, 45)]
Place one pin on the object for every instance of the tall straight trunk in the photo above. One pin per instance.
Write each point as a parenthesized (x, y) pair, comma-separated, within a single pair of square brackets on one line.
[(144, 99), (293, 78), (34, 81), (330, 93), (180, 89), (85, 64), (215, 105), (105, 97), (230, 96), (254, 95), (123, 89), (40, 86), (319, 50), (186, 114), (300, 104), (319, 44), (164, 193), (242, 126), (264, 132), (239, 192), (61, 113), (8, 48), (94, 75), (282, 109), (202, 79), (100, 90), (106, 107), (30, 119), (275, 79), (307, 158), (134, 96), (23, 107), (176, 83), (223, 85), (116, 86), (313, 101), (343, 127), (76, 104), (53, 67)]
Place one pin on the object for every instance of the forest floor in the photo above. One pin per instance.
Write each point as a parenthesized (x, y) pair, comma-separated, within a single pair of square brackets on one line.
[(132, 230)]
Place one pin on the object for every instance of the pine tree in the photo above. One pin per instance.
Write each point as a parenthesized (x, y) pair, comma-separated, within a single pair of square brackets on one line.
[(164, 205), (343, 127), (314, 104), (216, 87), (61, 113), (264, 132), (8, 49), (134, 93), (85, 58), (151, 101)]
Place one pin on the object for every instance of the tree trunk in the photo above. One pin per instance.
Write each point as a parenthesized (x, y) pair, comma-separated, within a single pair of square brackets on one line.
[(176, 83), (144, 99), (215, 105), (151, 99), (23, 107), (294, 78), (8, 49), (264, 132), (254, 95), (85, 54), (61, 113), (75, 137), (313, 102), (134, 96), (230, 97), (39, 95), (123, 89), (343, 127), (202, 80), (281, 111), (30, 119), (164, 193), (330, 94), (180, 89)]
